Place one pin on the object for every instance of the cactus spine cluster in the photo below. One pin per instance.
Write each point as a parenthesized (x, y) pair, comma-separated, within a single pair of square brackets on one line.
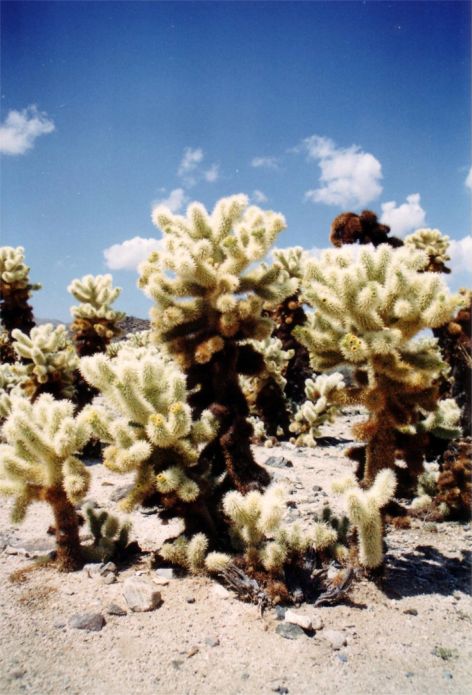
[(148, 428), (15, 291), (210, 286), (323, 397), (368, 312), (435, 245), (95, 321), (364, 511), (49, 361), (39, 462)]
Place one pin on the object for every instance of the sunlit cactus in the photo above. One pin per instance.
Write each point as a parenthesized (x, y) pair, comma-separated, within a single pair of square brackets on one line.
[(49, 359), (323, 398), (95, 321), (434, 244), (210, 286), (259, 531), (148, 429), (15, 292), (364, 509), (192, 555), (39, 462), (367, 314)]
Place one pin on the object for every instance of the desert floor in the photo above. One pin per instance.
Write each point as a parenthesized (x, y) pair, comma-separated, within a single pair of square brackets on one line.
[(412, 636)]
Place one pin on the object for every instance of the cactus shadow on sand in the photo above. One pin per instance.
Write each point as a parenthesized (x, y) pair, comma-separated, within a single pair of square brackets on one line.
[(427, 571)]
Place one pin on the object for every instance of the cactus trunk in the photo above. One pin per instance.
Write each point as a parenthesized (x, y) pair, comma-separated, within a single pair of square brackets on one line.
[(69, 553), (380, 450)]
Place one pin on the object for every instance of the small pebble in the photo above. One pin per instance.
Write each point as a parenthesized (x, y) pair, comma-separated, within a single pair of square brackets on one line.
[(409, 674), (109, 579), (165, 572), (192, 652), (245, 676), (280, 689), (280, 612), (342, 658), (92, 622), (212, 641), (410, 611), (447, 675), (289, 631), (301, 619), (115, 609), (190, 599), (60, 623), (336, 638)]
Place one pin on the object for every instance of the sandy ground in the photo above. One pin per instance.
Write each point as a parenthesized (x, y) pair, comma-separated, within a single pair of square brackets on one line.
[(414, 636)]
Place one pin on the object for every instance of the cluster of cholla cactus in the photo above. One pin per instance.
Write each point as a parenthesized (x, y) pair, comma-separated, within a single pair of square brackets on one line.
[(434, 244), (368, 312), (110, 536), (287, 316), (324, 395), (49, 361), (148, 428), (39, 462), (15, 291), (210, 287), (350, 228), (95, 321)]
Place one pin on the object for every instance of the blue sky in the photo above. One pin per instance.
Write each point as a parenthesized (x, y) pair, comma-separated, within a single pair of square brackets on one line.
[(310, 108)]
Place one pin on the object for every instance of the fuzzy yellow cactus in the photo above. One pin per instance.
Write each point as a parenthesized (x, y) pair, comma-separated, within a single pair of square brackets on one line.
[(95, 321), (434, 244), (364, 511), (210, 286), (257, 524), (368, 312), (39, 462), (192, 554), (49, 358), (148, 428), (15, 291), (324, 395)]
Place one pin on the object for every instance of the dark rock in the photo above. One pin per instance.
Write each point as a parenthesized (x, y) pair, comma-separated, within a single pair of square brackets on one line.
[(411, 611), (92, 622), (280, 612), (115, 609), (289, 631), (280, 689), (190, 599), (278, 462)]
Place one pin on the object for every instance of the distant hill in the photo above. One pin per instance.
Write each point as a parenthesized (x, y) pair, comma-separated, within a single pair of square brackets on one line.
[(130, 324)]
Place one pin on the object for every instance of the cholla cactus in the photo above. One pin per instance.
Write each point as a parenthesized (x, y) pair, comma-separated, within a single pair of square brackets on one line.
[(322, 405), (257, 527), (350, 228), (210, 288), (49, 359), (364, 511), (148, 428), (11, 378), (110, 536), (192, 554), (139, 339), (434, 244), (39, 462), (288, 315), (264, 392), (367, 314), (95, 322), (443, 422), (15, 291)]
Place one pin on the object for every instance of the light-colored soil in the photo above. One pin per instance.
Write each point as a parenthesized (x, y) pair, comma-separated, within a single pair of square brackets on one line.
[(168, 651)]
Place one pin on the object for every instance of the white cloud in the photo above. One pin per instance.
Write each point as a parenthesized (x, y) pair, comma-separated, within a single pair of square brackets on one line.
[(349, 176), (21, 128), (404, 218), (212, 174), (129, 254), (174, 201), (265, 163), (468, 181), (259, 197), (460, 251), (190, 160)]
